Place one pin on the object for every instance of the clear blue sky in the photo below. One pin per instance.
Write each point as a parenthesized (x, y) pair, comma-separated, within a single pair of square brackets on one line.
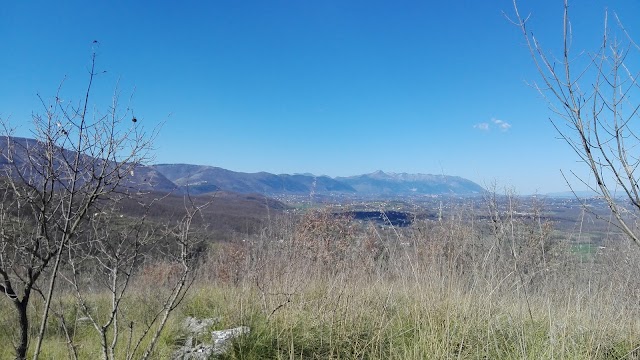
[(331, 87)]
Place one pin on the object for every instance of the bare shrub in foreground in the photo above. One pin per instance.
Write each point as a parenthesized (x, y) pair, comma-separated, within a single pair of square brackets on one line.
[(123, 257), (591, 97), (50, 186)]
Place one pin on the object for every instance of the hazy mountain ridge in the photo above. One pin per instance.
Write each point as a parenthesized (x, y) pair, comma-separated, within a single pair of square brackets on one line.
[(408, 184), (25, 157), (201, 179)]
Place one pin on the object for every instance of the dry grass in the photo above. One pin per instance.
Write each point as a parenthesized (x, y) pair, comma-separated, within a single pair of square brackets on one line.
[(461, 288), (326, 287)]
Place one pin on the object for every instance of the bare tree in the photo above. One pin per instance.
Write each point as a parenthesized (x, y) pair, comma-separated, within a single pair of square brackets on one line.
[(593, 98), (80, 159), (115, 249)]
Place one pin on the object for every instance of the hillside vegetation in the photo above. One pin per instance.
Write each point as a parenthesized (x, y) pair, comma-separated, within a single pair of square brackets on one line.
[(321, 286)]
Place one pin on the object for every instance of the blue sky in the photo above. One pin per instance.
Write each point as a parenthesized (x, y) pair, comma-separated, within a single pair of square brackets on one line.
[(330, 87)]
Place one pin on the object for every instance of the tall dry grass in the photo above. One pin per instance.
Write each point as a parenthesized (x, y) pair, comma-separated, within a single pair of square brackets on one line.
[(492, 284), (498, 286)]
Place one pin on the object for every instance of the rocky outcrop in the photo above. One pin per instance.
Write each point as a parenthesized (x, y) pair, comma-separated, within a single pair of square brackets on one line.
[(201, 345)]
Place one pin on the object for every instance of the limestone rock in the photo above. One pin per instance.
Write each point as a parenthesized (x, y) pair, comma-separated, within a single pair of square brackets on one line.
[(197, 348), (222, 338)]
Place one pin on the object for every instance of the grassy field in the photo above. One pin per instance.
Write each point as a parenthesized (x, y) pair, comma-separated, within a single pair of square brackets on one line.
[(326, 287)]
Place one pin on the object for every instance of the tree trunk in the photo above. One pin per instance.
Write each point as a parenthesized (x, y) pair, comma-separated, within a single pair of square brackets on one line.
[(23, 320)]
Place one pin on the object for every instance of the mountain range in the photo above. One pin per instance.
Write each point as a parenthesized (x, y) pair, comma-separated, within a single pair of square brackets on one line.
[(199, 179), (382, 183), (27, 155)]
